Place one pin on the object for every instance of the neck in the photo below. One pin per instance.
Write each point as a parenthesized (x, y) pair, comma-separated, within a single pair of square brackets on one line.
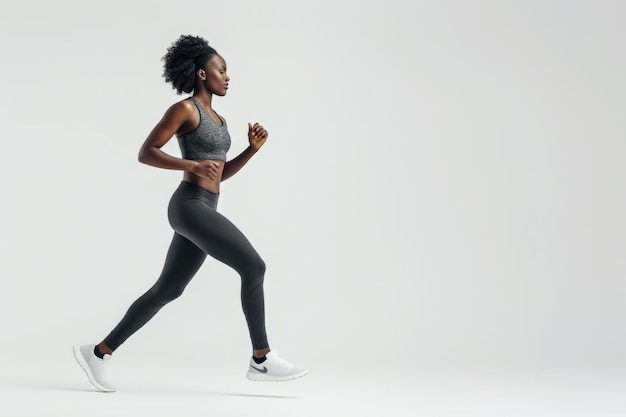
[(204, 97)]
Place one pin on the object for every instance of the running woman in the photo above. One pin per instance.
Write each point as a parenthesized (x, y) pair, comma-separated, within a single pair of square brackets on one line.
[(194, 67)]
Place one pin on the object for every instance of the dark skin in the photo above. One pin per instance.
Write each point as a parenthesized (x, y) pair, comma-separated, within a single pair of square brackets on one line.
[(183, 117)]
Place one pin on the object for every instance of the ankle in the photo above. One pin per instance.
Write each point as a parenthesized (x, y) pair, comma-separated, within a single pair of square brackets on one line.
[(260, 353), (103, 349)]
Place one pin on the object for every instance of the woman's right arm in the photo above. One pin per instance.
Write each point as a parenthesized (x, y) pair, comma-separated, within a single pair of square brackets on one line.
[(173, 119), (151, 153)]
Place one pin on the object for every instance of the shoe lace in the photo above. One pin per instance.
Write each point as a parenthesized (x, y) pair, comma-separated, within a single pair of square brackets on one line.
[(281, 362)]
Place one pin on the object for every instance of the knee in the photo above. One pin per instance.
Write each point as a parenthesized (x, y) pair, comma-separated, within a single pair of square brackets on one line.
[(259, 268), (255, 271), (164, 295)]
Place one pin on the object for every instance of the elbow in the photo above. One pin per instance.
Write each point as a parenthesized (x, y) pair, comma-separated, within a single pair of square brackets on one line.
[(142, 156)]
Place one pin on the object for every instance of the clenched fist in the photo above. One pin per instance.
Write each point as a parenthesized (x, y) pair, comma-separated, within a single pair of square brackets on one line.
[(257, 135), (207, 168)]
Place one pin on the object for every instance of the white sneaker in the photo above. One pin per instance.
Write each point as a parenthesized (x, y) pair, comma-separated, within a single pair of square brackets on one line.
[(274, 368), (94, 367)]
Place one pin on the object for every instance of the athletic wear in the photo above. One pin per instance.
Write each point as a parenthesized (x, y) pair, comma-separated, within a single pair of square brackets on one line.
[(207, 141), (259, 360), (199, 230), (274, 368), (95, 368), (97, 352)]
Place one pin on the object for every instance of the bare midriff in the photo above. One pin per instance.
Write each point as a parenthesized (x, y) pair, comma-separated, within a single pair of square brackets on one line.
[(212, 185)]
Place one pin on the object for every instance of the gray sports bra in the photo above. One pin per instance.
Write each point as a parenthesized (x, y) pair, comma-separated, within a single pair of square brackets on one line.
[(207, 141)]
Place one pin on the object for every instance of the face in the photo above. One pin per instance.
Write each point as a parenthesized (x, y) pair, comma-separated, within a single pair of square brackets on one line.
[(214, 75)]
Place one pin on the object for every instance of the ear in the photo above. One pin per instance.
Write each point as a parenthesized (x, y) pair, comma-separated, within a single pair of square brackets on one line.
[(202, 74)]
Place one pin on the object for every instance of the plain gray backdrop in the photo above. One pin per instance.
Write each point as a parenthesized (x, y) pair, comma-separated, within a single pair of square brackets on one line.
[(442, 187)]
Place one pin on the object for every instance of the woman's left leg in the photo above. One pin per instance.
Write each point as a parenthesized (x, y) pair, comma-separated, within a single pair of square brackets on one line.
[(181, 264)]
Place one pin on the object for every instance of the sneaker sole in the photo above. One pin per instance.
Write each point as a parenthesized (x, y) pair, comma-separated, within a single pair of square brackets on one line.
[(83, 364), (268, 378)]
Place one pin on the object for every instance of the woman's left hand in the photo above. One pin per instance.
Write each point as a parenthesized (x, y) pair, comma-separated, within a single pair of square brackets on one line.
[(257, 135)]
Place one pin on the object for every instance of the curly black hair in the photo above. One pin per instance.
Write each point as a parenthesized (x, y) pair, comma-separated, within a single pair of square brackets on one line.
[(182, 59)]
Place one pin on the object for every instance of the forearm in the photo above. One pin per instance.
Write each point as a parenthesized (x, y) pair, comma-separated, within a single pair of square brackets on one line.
[(234, 165), (157, 158)]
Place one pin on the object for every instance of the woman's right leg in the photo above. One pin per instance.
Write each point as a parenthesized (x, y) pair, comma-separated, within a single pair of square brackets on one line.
[(198, 220)]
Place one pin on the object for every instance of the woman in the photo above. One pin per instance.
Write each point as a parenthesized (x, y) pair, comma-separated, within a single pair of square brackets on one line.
[(191, 65)]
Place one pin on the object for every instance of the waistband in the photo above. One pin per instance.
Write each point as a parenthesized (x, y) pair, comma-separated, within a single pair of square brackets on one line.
[(195, 191)]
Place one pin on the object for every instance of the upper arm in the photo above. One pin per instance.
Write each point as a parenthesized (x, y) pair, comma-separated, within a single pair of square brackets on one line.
[(176, 117)]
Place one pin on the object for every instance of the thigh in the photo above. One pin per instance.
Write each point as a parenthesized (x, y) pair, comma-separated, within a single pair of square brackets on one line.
[(182, 262), (217, 236)]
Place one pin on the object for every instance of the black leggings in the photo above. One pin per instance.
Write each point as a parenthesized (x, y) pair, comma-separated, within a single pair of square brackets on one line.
[(199, 230)]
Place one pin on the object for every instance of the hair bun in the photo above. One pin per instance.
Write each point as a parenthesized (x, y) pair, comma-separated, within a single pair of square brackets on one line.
[(181, 60)]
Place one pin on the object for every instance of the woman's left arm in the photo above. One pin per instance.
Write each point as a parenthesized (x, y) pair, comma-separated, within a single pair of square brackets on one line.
[(257, 136)]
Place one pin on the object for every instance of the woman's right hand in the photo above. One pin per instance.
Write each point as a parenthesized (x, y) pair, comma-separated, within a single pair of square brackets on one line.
[(207, 168)]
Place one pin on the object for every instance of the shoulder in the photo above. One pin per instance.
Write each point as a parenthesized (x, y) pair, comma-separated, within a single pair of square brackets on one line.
[(181, 110), (180, 114), (183, 106)]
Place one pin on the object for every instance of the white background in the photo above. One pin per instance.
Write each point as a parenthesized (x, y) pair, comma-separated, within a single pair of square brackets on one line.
[(442, 187)]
